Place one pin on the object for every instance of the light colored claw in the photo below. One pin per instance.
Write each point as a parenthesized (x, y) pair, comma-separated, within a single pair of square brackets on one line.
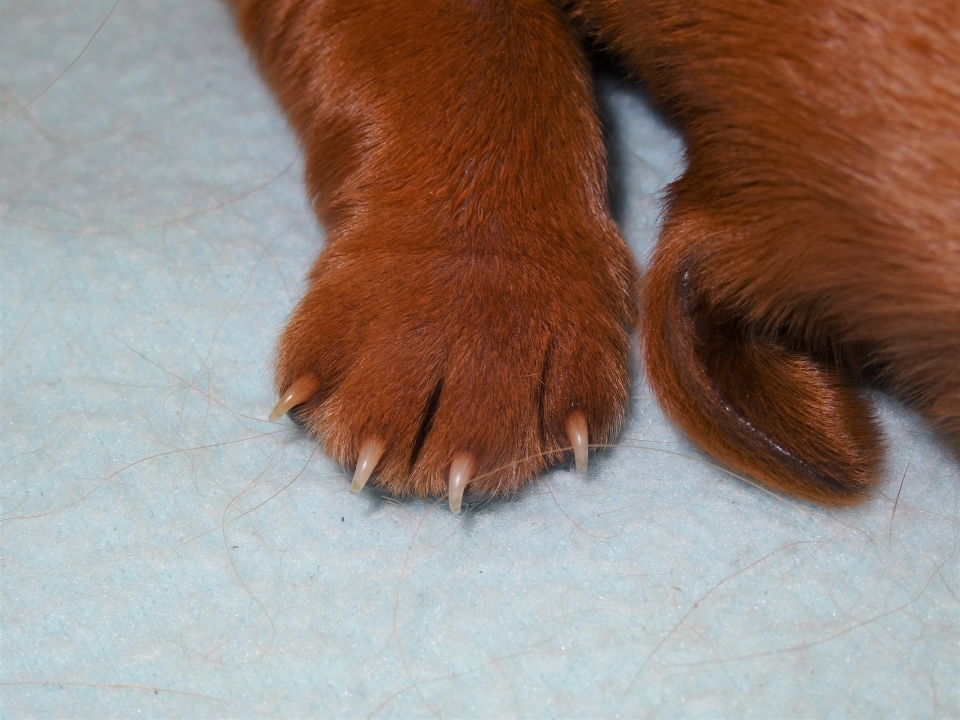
[(370, 455), (461, 471), (298, 393), (576, 427)]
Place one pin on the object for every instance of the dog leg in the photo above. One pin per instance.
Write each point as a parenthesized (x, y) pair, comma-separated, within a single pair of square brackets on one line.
[(469, 317)]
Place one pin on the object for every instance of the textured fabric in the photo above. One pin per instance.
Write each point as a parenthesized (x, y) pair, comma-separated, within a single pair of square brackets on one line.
[(167, 551)]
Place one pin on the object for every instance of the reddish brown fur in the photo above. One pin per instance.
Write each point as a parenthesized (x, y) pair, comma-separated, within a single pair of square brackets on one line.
[(817, 225), (474, 289)]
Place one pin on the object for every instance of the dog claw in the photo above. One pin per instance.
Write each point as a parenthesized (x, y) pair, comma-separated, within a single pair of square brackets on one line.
[(576, 427), (461, 471), (298, 393), (370, 455)]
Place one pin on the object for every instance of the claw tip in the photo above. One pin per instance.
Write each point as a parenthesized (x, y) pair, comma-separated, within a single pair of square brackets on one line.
[(576, 427), (297, 394), (461, 471), (370, 455)]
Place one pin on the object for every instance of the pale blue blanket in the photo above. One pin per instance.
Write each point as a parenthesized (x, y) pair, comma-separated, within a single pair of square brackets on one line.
[(167, 552)]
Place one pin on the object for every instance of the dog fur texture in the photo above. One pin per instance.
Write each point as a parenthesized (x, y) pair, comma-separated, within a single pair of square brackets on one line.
[(474, 292)]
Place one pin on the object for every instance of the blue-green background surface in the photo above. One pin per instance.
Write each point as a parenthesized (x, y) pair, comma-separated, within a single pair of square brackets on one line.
[(167, 552)]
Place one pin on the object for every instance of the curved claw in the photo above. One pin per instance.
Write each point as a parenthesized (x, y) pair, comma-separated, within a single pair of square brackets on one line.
[(576, 427), (370, 455), (461, 472), (298, 393)]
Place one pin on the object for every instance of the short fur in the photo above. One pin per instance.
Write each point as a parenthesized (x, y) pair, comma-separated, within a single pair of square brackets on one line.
[(474, 288)]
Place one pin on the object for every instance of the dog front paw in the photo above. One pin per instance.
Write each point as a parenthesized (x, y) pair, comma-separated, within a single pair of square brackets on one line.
[(441, 363)]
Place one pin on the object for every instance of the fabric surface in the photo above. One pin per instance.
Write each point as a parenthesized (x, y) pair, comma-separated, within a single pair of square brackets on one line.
[(168, 552)]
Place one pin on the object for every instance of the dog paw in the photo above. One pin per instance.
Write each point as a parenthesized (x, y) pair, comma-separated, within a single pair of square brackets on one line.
[(434, 361), (743, 373)]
